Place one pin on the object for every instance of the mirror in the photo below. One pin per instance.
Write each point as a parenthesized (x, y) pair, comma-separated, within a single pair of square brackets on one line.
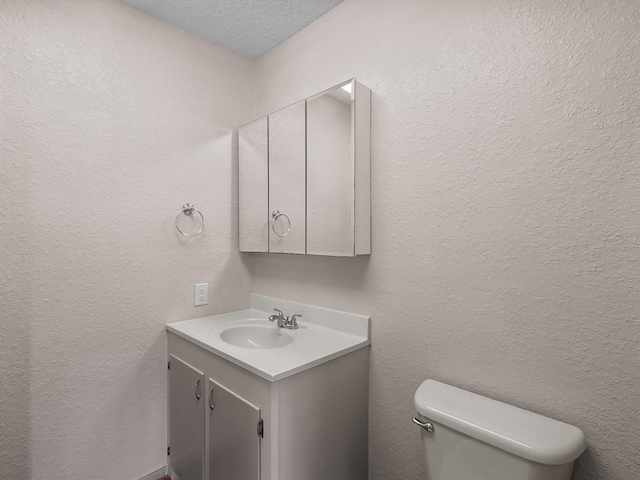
[(305, 176), (330, 227), (287, 180), (253, 189)]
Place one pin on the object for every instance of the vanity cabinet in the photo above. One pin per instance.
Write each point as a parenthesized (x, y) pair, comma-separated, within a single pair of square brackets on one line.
[(304, 176), (311, 425)]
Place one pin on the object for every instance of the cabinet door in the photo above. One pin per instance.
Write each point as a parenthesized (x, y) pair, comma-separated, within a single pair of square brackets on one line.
[(186, 420), (287, 171), (234, 442), (338, 171), (253, 189), (330, 203)]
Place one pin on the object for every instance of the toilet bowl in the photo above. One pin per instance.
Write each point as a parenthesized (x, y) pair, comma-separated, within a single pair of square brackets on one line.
[(466, 436)]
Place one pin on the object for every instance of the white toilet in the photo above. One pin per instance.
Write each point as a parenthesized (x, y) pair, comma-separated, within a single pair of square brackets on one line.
[(469, 437)]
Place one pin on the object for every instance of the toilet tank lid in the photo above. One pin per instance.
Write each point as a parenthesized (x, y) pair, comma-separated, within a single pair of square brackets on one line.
[(512, 429)]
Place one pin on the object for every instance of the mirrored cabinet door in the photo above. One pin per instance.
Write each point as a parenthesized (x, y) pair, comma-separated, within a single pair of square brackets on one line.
[(330, 172), (253, 189), (287, 223)]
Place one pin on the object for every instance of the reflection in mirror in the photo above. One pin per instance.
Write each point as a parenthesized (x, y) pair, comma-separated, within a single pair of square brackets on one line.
[(330, 172), (253, 186), (287, 179)]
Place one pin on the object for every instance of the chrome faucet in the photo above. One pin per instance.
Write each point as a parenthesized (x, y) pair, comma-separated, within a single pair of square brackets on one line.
[(279, 317), (285, 322)]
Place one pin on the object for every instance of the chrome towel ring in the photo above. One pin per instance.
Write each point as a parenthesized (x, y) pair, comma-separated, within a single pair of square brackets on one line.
[(188, 209), (274, 216)]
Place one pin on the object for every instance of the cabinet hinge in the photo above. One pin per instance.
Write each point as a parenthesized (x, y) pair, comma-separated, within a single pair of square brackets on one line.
[(169, 450), (168, 365), (261, 429)]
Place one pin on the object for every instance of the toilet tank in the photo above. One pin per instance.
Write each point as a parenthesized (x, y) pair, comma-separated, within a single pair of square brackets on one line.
[(471, 437)]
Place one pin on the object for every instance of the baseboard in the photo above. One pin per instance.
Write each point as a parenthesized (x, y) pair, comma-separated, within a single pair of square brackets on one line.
[(159, 473)]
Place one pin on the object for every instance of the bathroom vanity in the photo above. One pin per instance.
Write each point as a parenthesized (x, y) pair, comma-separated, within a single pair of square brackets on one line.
[(249, 399)]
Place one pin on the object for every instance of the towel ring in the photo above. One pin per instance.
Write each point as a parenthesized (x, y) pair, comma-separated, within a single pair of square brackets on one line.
[(188, 209), (274, 216)]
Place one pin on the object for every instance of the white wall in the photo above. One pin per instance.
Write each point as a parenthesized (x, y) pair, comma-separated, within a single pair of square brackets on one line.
[(505, 195), (506, 202), (109, 121)]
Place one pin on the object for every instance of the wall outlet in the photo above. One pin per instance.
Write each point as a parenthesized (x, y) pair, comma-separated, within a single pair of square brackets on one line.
[(202, 294)]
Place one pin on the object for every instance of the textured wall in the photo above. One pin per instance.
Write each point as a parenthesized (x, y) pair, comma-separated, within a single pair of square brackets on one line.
[(506, 202), (505, 217), (110, 120)]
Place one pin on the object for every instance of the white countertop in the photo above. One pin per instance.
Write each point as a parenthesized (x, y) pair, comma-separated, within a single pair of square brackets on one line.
[(323, 335)]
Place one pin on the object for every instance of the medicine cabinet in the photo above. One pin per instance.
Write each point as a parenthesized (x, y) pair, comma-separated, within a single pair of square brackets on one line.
[(304, 174)]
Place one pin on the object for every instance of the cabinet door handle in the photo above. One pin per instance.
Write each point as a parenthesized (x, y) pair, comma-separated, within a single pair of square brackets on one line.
[(197, 387), (211, 398)]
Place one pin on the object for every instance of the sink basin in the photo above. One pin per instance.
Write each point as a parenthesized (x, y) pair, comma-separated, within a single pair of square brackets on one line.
[(247, 338), (256, 336)]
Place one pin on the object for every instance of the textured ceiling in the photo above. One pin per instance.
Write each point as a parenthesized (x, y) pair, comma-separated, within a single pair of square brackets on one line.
[(247, 27)]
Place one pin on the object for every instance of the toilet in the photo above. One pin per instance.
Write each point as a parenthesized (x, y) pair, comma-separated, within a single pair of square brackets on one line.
[(466, 436)]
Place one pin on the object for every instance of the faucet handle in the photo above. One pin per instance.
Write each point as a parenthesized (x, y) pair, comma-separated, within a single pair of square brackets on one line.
[(293, 319), (279, 317)]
